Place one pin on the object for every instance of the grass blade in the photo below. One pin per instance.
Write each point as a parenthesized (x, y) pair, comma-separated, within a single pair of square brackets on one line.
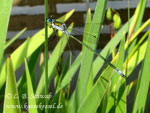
[(138, 21), (66, 16), (5, 8), (87, 28), (14, 38), (41, 64), (88, 55), (137, 57), (46, 52), (143, 83), (93, 100), (22, 84), (117, 97), (69, 75), (31, 99), (85, 40), (11, 92)]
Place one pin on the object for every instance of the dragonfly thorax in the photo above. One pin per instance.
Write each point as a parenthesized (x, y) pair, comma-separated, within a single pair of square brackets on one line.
[(64, 26)]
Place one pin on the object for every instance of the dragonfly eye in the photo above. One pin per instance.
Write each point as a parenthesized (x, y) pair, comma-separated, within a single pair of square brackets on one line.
[(49, 20)]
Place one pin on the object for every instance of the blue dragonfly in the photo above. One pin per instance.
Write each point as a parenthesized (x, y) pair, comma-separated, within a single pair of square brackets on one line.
[(56, 25)]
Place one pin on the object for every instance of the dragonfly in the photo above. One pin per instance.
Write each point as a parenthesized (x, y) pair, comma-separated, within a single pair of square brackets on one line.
[(56, 25)]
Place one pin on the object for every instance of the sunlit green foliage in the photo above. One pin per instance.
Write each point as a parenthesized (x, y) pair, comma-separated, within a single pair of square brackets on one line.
[(99, 89)]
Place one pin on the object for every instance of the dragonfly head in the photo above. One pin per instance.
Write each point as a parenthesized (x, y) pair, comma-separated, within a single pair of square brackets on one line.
[(51, 19)]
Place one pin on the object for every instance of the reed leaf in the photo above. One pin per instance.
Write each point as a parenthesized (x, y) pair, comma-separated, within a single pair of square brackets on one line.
[(11, 101)]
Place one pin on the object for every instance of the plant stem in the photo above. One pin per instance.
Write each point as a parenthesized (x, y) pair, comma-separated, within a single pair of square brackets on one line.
[(46, 54)]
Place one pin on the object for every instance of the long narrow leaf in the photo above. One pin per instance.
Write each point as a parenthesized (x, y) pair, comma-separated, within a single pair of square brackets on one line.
[(117, 98), (31, 99), (11, 101), (14, 38), (137, 57), (138, 19), (5, 9), (93, 100), (85, 40), (22, 84), (88, 55), (69, 75), (143, 83)]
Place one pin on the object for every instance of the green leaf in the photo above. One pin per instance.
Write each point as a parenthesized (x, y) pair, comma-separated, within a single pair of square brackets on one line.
[(14, 38), (41, 64), (119, 65), (147, 102), (62, 101), (22, 84), (65, 67), (138, 18), (11, 93), (55, 101), (31, 99), (135, 19), (86, 62), (66, 16), (93, 100), (117, 97), (142, 39), (137, 57), (120, 102), (143, 83), (87, 28), (103, 105), (130, 86), (5, 8), (85, 40), (69, 75), (32, 63)]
